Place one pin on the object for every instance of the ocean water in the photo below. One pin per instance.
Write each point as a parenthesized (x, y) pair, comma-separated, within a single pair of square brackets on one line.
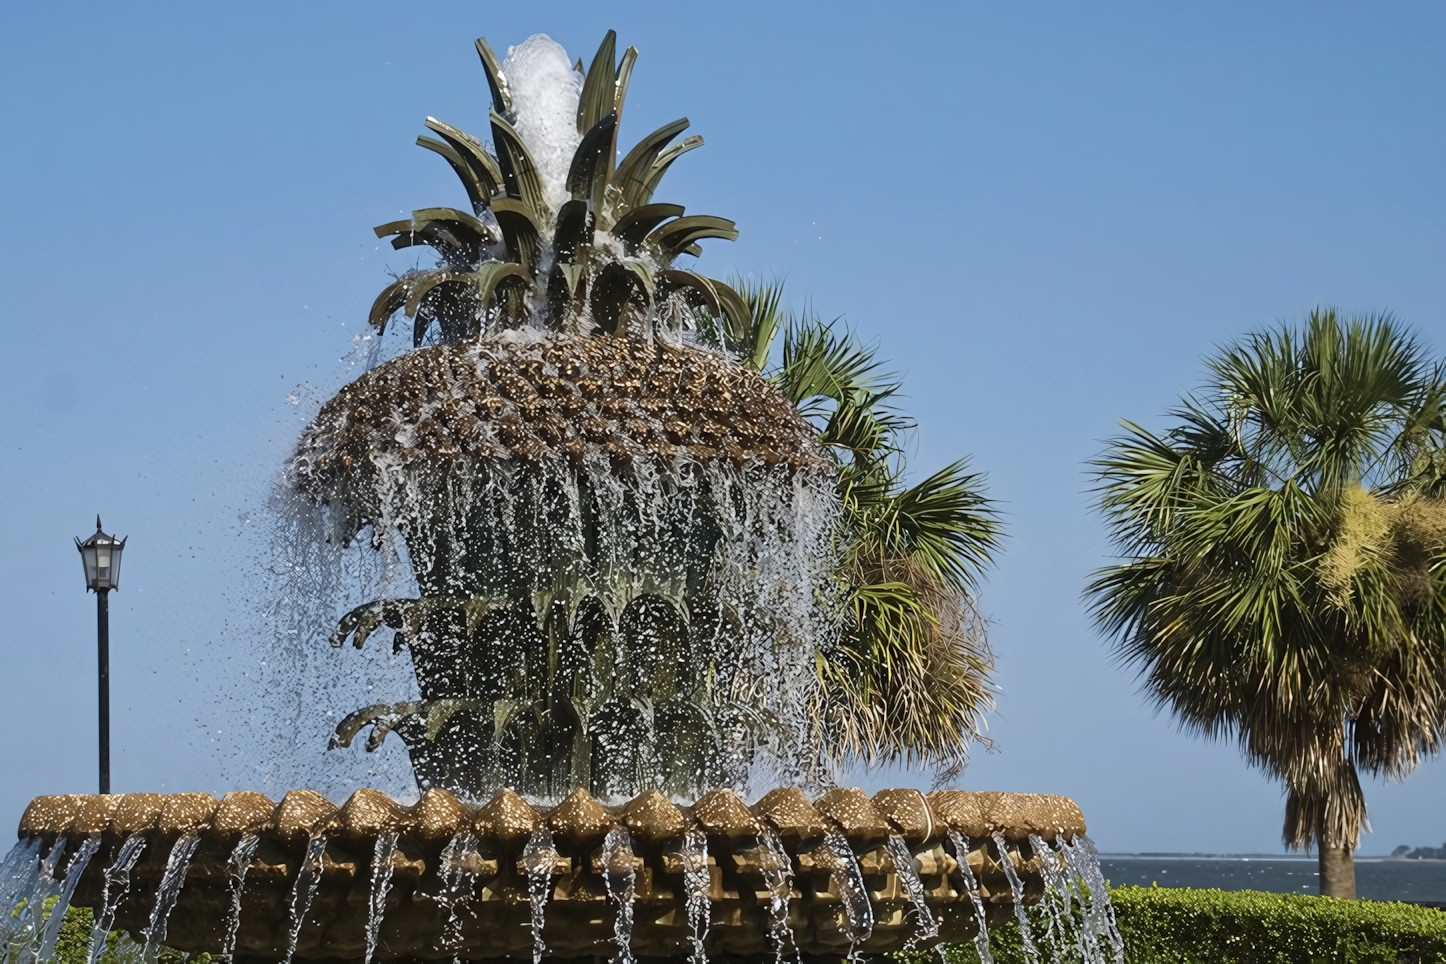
[(1377, 878)]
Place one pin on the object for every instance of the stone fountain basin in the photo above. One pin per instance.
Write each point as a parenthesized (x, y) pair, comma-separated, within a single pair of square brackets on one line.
[(495, 919)]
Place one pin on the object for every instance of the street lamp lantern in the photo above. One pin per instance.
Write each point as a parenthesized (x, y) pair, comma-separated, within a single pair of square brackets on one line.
[(101, 555)]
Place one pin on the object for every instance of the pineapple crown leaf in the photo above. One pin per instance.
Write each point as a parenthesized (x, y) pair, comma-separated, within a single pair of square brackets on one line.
[(602, 262)]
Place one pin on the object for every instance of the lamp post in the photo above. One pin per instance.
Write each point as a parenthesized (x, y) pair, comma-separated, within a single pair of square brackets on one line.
[(101, 555)]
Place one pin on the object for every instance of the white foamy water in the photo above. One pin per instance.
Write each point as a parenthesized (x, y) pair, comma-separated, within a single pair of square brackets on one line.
[(545, 92)]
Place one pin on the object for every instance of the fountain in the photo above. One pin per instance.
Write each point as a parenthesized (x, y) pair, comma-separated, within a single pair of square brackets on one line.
[(620, 535)]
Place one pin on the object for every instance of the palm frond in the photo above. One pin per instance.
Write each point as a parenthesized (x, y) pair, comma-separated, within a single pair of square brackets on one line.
[(909, 680)]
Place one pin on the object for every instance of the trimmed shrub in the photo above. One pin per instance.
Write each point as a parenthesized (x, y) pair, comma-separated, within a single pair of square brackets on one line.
[(1169, 925)]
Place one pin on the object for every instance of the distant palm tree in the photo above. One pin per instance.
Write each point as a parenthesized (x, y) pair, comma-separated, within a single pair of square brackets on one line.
[(1284, 580), (909, 680)]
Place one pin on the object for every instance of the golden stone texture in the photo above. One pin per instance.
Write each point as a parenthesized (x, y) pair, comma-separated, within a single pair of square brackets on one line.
[(495, 399), (653, 816), (907, 811), (507, 817), (721, 812), (790, 814), (579, 916)]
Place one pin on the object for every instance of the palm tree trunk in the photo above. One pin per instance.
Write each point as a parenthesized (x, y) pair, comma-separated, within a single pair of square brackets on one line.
[(1337, 872)]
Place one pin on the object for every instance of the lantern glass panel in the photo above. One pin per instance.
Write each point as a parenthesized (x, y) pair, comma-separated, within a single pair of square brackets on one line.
[(87, 555), (115, 561)]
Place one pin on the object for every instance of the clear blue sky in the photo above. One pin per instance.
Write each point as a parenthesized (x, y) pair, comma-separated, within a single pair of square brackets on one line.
[(1045, 213)]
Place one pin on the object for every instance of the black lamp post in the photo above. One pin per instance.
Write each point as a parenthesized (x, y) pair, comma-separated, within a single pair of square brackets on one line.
[(101, 555)]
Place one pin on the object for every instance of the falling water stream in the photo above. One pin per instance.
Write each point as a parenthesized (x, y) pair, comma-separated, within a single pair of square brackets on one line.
[(777, 868), (696, 884), (47, 885), (1083, 861), (382, 853), (305, 889), (539, 858), (848, 881), (458, 859), (960, 843), (622, 880), (73, 871), (239, 864), (926, 927), (1061, 893), (117, 883), (172, 880), (1016, 890)]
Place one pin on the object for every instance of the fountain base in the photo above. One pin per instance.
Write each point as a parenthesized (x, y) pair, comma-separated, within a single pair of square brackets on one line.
[(373, 880)]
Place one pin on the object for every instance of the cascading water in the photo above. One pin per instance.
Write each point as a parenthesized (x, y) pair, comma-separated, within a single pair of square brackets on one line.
[(73, 872), (960, 844), (172, 880), (117, 884), (382, 853), (621, 878), (1016, 889), (697, 884), (237, 867), (777, 870), (847, 880), (304, 890), (913, 884), (539, 857)]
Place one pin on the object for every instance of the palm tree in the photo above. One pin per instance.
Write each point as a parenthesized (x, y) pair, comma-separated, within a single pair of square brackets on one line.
[(1283, 580), (909, 679)]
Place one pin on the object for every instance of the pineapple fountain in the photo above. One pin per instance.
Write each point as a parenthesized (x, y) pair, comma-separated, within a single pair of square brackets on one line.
[(620, 535)]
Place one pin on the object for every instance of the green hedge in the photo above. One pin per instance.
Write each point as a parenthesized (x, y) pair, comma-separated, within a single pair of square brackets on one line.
[(1161, 925), (1169, 925)]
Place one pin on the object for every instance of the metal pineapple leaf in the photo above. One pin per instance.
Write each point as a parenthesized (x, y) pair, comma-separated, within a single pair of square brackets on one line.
[(496, 82)]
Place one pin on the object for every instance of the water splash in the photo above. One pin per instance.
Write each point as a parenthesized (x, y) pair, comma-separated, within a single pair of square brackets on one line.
[(777, 869), (697, 884), (305, 889), (117, 884), (960, 843), (539, 857), (382, 853), (926, 927), (847, 879), (17, 879), (545, 92), (73, 872), (622, 879), (1082, 858), (172, 880), (1016, 890), (240, 863)]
